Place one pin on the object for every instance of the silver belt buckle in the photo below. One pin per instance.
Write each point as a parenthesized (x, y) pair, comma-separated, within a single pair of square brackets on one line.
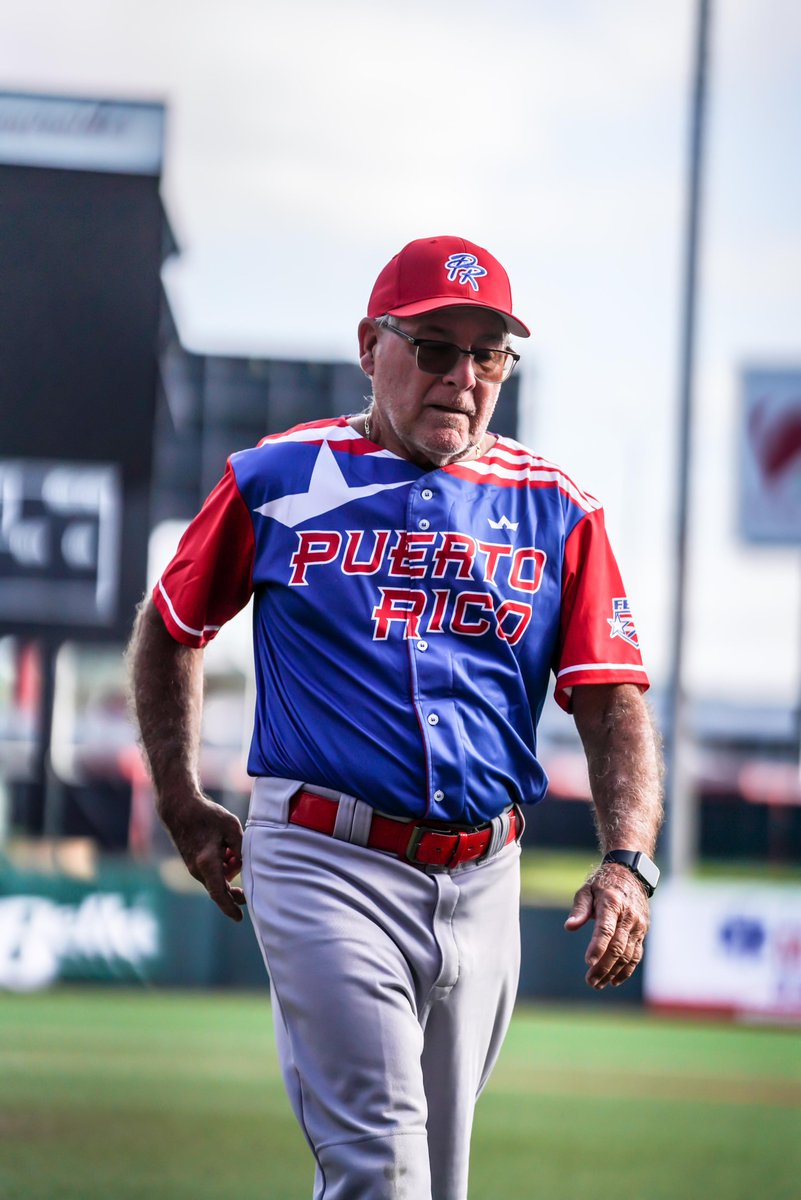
[(413, 843)]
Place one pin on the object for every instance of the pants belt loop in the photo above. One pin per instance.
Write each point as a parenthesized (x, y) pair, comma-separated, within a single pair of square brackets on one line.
[(362, 820), (344, 821), (500, 832), (353, 820)]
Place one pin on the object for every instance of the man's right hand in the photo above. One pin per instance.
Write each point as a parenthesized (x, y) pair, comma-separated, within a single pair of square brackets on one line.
[(209, 839)]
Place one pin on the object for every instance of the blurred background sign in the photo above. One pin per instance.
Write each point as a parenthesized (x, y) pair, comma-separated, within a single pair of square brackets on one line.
[(81, 247), (59, 541), (727, 948), (87, 135), (770, 454)]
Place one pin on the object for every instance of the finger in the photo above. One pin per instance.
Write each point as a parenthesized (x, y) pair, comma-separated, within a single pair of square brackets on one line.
[(609, 946), (232, 863), (623, 954), (581, 910), (606, 926), (229, 900), (626, 968), (211, 874), (623, 971), (608, 971), (233, 835), (622, 975)]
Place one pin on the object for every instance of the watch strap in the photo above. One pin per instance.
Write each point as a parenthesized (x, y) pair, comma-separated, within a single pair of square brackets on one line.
[(635, 860)]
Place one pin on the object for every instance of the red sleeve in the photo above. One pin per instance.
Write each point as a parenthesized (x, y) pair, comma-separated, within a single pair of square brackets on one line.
[(598, 640), (211, 577)]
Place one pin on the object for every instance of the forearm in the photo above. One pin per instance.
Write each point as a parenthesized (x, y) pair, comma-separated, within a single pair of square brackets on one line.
[(167, 689), (624, 761), (625, 765)]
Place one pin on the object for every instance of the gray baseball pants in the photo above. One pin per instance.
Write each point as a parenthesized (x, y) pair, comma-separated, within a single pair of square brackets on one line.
[(392, 990)]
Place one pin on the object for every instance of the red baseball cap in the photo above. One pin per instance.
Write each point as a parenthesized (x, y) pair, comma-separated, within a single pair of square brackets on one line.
[(442, 272)]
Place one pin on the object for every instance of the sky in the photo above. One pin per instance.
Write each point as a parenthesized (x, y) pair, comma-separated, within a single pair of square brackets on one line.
[(306, 143)]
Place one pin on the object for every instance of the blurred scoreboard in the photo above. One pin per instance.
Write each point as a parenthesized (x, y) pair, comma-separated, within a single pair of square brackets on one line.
[(59, 542), (82, 235)]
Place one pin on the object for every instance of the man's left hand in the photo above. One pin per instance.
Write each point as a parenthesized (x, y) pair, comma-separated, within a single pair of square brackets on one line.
[(619, 905)]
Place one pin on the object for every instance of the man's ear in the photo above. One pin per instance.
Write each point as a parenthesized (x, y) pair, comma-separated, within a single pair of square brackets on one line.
[(368, 336)]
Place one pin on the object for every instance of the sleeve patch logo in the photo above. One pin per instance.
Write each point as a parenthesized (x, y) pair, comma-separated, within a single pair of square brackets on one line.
[(622, 622), (464, 269)]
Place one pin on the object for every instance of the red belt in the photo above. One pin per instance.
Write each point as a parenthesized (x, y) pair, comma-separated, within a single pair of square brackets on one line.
[(429, 843)]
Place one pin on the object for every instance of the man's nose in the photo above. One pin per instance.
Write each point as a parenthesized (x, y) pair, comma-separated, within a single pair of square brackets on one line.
[(462, 373)]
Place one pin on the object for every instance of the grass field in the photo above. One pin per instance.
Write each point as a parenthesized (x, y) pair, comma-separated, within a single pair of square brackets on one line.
[(176, 1096)]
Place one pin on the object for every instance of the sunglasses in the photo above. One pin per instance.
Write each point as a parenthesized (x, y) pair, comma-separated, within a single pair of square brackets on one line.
[(438, 358)]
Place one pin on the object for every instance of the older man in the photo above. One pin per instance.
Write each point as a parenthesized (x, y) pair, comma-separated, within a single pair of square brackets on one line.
[(416, 580)]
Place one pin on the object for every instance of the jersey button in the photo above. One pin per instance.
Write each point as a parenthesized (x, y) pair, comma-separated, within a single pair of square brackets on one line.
[(422, 645), (433, 719), (427, 494), (439, 794), (424, 523)]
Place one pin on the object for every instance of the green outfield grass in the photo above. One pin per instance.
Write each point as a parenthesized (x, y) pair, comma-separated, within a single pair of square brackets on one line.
[(117, 1094)]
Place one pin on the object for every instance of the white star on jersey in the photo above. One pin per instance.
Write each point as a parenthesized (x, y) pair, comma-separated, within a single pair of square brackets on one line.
[(328, 489)]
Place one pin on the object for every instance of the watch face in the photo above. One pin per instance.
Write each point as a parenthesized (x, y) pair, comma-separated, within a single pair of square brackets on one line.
[(647, 869)]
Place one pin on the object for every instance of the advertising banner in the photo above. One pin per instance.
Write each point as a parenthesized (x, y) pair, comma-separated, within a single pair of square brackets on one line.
[(726, 947), (57, 929), (770, 456), (124, 926), (81, 134)]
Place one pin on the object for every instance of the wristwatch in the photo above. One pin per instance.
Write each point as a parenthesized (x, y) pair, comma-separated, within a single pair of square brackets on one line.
[(639, 864)]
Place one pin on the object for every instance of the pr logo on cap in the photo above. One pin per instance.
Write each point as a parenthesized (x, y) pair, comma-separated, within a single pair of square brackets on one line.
[(464, 269)]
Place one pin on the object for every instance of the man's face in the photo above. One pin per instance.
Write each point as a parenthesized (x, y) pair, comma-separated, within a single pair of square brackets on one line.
[(431, 418)]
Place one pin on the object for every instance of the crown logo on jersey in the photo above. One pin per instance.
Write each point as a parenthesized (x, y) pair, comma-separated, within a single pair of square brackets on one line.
[(622, 622), (465, 269)]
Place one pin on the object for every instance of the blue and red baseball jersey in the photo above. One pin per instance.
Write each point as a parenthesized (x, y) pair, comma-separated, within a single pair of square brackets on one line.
[(406, 621)]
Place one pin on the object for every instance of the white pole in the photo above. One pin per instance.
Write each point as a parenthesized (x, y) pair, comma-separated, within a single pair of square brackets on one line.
[(681, 802)]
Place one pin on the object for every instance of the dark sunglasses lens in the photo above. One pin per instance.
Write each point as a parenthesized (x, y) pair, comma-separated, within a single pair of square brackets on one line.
[(491, 365), (437, 358)]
